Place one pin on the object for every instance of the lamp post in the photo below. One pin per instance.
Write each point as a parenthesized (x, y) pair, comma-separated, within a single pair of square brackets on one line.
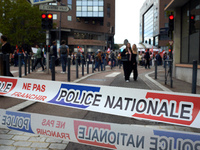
[(61, 4)]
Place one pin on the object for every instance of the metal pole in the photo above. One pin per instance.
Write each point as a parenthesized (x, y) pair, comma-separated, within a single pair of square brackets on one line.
[(47, 56), (194, 77), (171, 81), (29, 68), (7, 65), (20, 65), (25, 65), (32, 64), (87, 66), (53, 68), (82, 67), (165, 72), (77, 68), (1, 64), (60, 28), (156, 69), (69, 65), (92, 66)]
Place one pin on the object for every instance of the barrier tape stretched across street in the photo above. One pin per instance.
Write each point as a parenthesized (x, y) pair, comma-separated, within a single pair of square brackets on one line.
[(106, 135), (174, 108)]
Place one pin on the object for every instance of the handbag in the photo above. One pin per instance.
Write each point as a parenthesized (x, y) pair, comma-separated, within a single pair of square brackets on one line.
[(125, 58)]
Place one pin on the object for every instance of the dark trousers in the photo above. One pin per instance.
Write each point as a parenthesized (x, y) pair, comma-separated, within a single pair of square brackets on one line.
[(127, 69), (135, 71), (147, 63), (39, 60), (64, 62)]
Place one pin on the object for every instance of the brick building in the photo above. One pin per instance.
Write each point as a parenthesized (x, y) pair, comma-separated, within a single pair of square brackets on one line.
[(89, 25), (154, 23)]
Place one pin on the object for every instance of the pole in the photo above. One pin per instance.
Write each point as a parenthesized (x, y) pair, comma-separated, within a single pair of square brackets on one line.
[(69, 65), (194, 77), (32, 64), (171, 81), (20, 64), (156, 69), (87, 66), (29, 68), (47, 55), (60, 28), (92, 66), (165, 72), (25, 65), (77, 68), (82, 67), (53, 68), (7, 65)]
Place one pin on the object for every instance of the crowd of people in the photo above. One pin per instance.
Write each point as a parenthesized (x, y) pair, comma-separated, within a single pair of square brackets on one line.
[(130, 58)]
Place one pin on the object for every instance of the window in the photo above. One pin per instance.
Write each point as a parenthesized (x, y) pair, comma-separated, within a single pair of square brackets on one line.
[(108, 10), (166, 25), (89, 8), (69, 18), (54, 16), (108, 24)]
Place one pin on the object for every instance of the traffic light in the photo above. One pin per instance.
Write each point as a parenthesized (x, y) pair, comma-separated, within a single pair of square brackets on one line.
[(47, 21), (192, 24), (171, 23)]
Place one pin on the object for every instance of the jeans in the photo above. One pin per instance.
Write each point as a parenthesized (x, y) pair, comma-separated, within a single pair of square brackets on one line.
[(63, 62)]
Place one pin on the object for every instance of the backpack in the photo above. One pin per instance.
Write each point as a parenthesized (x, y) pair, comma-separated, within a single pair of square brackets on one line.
[(51, 50), (63, 49)]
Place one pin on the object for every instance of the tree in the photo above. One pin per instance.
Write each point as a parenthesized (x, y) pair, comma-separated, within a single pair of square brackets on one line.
[(21, 22)]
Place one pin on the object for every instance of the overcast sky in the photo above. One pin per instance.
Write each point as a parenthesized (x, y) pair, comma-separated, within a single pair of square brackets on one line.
[(127, 20)]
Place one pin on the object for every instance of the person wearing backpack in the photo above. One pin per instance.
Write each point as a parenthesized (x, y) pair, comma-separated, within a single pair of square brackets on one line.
[(63, 52), (38, 55)]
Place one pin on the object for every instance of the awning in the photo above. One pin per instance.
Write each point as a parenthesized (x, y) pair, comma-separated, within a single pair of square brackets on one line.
[(175, 3)]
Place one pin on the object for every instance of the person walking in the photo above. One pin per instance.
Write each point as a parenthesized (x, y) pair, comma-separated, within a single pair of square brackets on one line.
[(134, 62), (63, 52), (38, 56), (126, 58), (147, 59)]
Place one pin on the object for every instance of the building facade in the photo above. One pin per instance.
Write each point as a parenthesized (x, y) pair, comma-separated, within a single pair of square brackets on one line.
[(186, 37), (154, 23), (89, 25)]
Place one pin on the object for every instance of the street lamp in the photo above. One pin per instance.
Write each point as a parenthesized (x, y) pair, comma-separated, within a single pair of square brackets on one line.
[(60, 20)]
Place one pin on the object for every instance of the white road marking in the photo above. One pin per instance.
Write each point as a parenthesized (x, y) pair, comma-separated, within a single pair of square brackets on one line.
[(114, 74), (14, 71)]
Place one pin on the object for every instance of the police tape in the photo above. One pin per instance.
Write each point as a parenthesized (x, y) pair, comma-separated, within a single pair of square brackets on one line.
[(106, 135), (168, 107)]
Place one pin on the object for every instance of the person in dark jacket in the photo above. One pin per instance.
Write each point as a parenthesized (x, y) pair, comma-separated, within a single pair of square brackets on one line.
[(147, 59), (134, 62), (6, 49), (126, 55)]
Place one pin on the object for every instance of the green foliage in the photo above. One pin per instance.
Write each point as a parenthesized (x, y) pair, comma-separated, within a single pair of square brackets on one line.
[(21, 22)]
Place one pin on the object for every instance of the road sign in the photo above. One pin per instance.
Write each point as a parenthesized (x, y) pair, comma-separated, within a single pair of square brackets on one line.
[(35, 2), (171, 42), (54, 8)]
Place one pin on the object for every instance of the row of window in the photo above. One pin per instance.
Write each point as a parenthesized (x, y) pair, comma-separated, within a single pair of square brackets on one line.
[(89, 8), (55, 17), (89, 14), (89, 2)]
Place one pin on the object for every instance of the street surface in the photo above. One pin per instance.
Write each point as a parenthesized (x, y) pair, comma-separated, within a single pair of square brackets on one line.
[(21, 141)]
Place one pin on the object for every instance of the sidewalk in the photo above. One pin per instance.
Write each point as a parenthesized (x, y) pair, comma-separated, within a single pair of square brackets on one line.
[(14, 140)]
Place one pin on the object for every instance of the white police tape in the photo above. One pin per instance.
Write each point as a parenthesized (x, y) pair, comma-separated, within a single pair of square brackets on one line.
[(106, 135), (168, 107)]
